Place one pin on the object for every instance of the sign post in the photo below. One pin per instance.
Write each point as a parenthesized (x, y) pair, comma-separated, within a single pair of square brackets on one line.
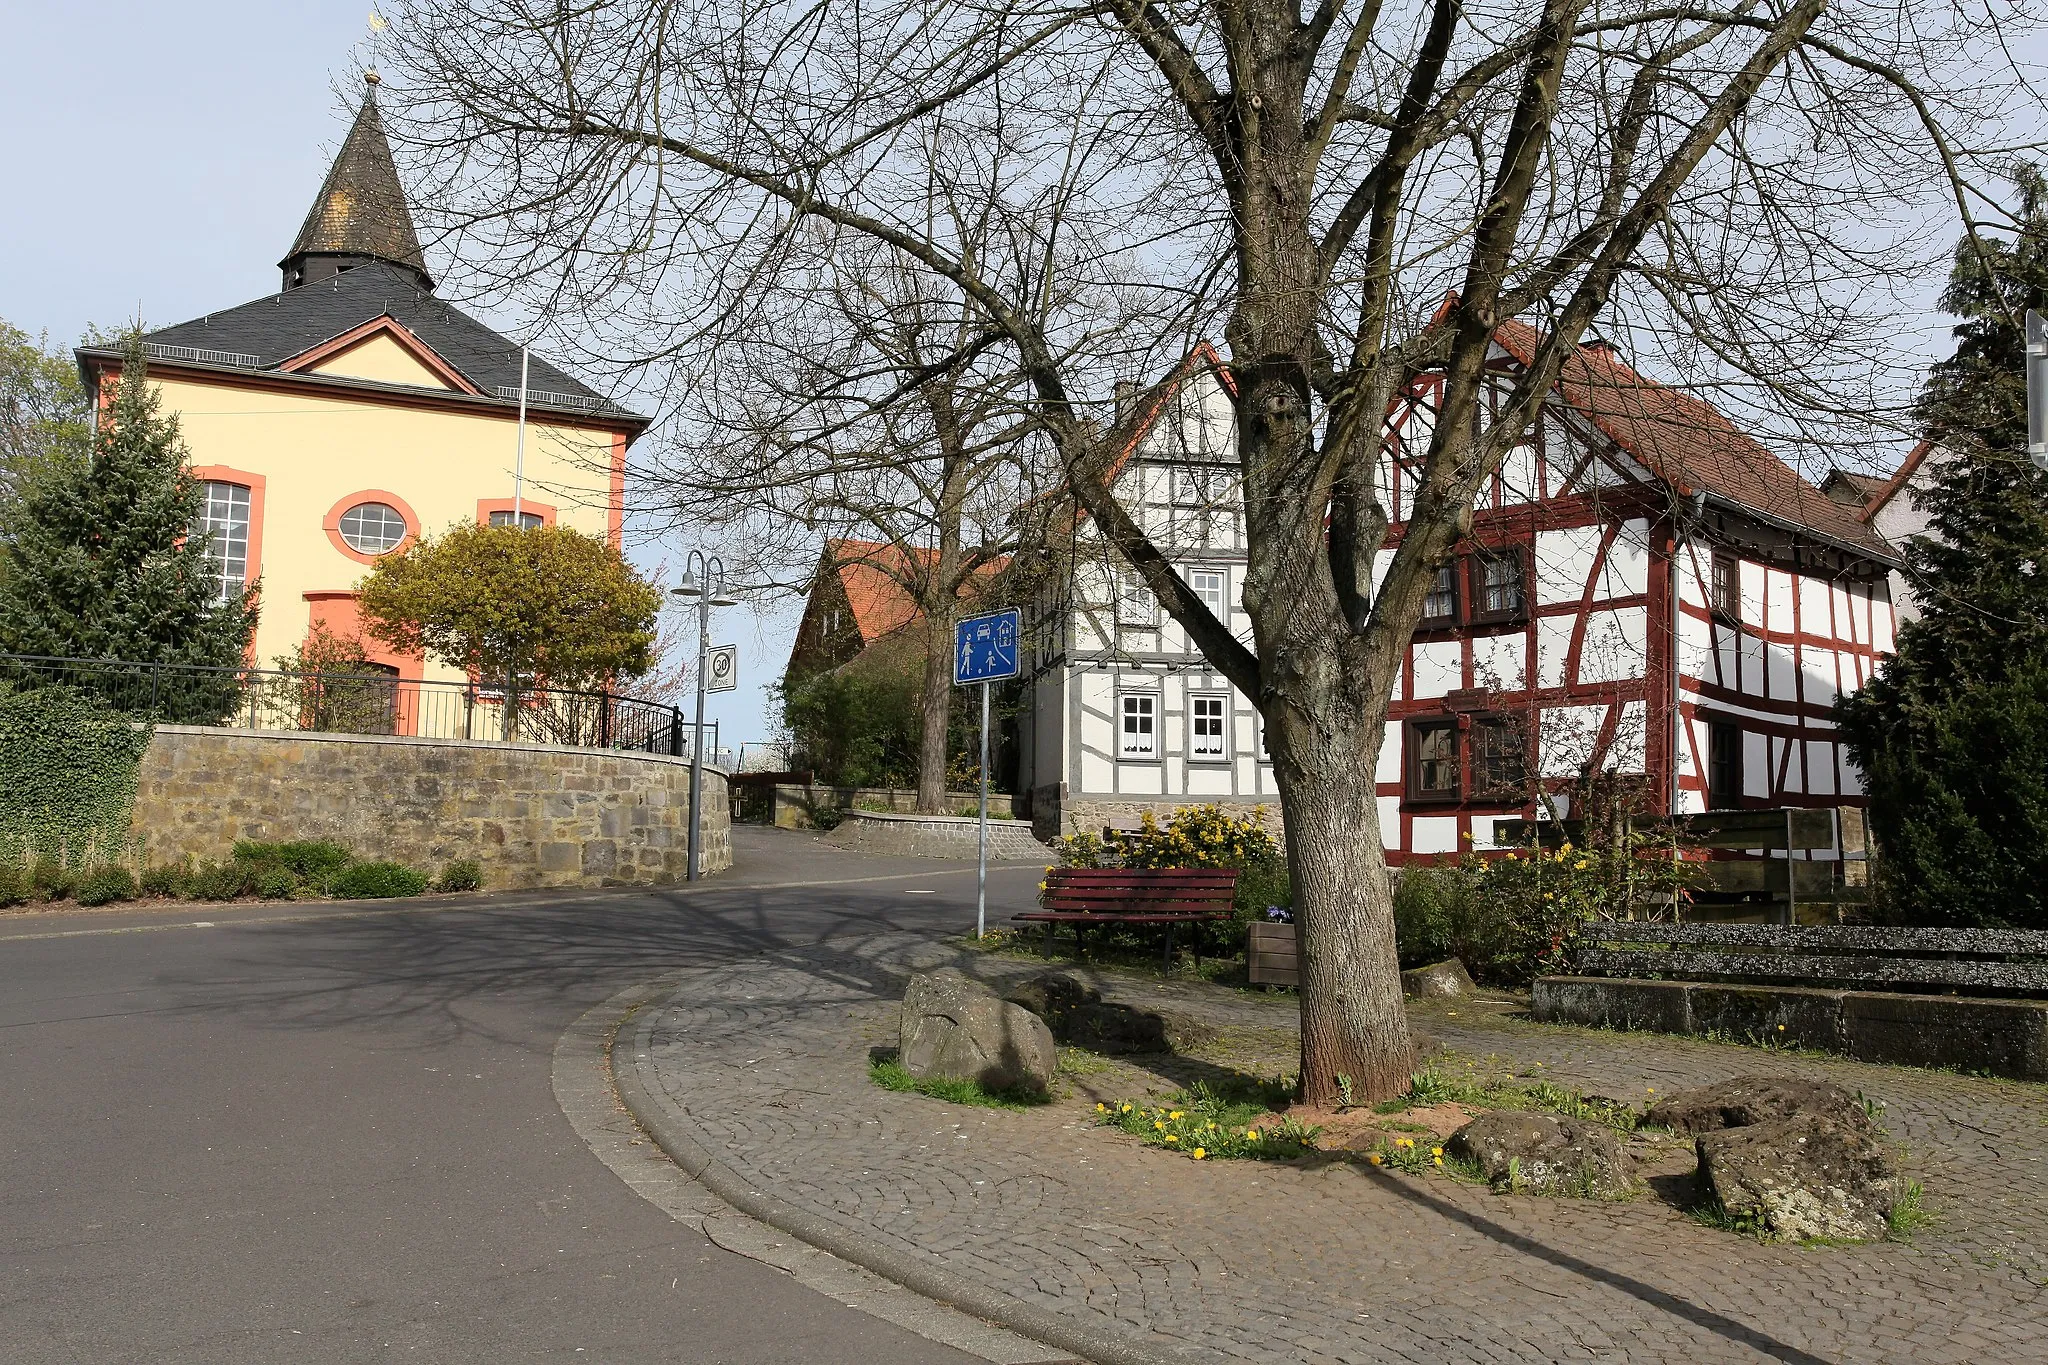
[(985, 650), (2037, 389)]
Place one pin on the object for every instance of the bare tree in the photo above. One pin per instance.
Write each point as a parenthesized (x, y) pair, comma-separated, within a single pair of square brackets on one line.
[(1352, 194), (869, 402)]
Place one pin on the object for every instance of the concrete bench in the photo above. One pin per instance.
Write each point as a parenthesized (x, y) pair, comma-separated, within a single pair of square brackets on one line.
[(1881, 995)]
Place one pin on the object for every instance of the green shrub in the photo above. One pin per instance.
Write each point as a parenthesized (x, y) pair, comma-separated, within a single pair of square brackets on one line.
[(220, 881), (50, 880), (312, 861), (67, 768), (464, 875), (376, 881), (276, 882), (1432, 909), (166, 880), (13, 886), (104, 886)]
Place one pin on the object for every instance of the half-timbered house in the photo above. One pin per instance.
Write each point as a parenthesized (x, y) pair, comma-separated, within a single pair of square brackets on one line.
[(1646, 592)]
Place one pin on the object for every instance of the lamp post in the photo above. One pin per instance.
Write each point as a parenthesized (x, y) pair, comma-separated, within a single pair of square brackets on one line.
[(703, 579)]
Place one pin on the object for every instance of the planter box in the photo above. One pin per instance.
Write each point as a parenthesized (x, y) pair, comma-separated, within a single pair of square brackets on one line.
[(1269, 955)]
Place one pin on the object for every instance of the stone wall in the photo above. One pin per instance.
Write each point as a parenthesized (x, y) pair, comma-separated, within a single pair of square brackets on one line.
[(792, 804), (2004, 1037), (1088, 814), (938, 836), (531, 814)]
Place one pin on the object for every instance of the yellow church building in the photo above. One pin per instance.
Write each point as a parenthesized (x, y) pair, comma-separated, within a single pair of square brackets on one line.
[(353, 412)]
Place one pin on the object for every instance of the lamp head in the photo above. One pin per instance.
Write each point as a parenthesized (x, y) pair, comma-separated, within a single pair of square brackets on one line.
[(689, 587)]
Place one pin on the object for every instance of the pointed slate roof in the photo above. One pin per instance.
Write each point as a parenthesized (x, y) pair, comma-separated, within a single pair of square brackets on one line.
[(361, 209)]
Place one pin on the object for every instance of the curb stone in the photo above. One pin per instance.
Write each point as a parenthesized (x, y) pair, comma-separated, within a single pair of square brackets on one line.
[(589, 1099), (672, 1134)]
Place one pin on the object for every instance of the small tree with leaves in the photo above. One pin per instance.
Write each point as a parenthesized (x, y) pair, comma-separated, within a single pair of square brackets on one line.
[(1952, 733), (518, 609), (104, 561)]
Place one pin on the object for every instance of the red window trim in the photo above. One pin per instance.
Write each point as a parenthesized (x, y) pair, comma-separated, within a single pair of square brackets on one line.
[(332, 522)]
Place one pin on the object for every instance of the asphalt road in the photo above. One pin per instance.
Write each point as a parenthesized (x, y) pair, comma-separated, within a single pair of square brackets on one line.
[(321, 1133)]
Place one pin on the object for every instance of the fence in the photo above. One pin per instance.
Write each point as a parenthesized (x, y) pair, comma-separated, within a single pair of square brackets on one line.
[(367, 701)]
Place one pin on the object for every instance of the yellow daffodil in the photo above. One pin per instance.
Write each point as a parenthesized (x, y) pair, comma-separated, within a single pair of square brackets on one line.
[(1127, 1109), (1436, 1151), (1199, 1153), (1374, 1158), (1438, 1160), (1160, 1124), (1171, 1138), (1175, 1114), (1251, 1134), (1102, 1109)]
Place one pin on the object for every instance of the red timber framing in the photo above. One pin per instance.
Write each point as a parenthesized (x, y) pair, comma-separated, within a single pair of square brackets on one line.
[(1615, 657)]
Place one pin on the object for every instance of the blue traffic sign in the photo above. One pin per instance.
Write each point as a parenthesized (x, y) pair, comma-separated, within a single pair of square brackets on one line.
[(985, 647)]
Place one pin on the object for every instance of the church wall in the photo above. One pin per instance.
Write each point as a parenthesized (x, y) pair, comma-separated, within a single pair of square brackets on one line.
[(315, 452)]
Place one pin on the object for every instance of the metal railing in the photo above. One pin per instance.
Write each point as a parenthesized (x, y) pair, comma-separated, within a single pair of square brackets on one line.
[(367, 701)]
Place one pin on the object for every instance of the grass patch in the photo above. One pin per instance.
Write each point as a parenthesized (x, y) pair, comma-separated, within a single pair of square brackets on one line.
[(1079, 1061), (1202, 1124), (1711, 1213), (1909, 1213), (1434, 1085), (890, 1075)]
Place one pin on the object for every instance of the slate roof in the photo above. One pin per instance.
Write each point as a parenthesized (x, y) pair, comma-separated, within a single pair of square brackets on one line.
[(1689, 443), (277, 328), (361, 208)]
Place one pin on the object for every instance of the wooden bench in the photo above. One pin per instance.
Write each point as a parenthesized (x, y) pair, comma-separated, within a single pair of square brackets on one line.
[(2002, 961), (1164, 897)]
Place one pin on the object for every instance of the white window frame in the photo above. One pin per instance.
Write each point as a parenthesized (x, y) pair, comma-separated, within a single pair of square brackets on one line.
[(1219, 601), (1221, 702), (528, 521), (1135, 604), (341, 524), (1131, 706), (228, 550)]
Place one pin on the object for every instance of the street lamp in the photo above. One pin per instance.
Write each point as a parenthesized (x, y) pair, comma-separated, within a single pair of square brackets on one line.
[(703, 579)]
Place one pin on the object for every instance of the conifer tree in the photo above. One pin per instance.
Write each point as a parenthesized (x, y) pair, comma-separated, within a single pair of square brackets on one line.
[(103, 558), (1952, 733)]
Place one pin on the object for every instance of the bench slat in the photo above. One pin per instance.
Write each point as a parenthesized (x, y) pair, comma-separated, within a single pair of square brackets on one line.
[(1684, 962)]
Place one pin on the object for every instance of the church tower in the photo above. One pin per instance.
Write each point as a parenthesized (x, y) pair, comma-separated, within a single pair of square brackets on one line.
[(360, 215)]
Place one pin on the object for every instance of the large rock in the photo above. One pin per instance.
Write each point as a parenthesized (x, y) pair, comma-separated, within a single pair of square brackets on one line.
[(1078, 1014), (1748, 1100), (1811, 1175), (1545, 1154), (956, 1029), (1443, 980)]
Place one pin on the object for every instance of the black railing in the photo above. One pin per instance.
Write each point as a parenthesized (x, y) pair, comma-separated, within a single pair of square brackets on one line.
[(367, 701)]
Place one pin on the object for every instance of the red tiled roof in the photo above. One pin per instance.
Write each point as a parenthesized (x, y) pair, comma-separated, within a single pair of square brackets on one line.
[(870, 571), (1690, 444)]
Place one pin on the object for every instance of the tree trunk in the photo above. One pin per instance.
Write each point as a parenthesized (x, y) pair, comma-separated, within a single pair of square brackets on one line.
[(1355, 1044), (935, 712)]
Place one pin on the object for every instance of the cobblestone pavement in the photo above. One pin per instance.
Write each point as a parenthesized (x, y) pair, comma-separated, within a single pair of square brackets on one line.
[(1335, 1261)]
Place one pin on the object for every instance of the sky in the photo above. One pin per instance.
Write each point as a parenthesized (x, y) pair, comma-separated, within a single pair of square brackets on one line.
[(180, 146), (160, 160)]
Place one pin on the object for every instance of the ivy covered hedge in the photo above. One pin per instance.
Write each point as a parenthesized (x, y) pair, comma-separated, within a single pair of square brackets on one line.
[(67, 778)]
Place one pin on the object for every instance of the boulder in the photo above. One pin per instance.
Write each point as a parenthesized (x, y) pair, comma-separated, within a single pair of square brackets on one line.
[(1545, 1154), (957, 1029), (1748, 1100), (1811, 1175), (1447, 979), (1078, 1014)]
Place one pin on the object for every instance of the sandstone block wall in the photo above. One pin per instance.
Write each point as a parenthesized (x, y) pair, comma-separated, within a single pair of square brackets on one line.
[(937, 836), (532, 814)]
